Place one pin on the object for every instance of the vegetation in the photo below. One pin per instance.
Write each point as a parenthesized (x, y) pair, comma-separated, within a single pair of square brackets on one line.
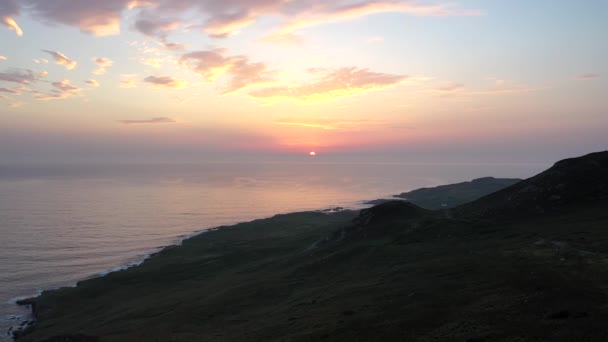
[(518, 265)]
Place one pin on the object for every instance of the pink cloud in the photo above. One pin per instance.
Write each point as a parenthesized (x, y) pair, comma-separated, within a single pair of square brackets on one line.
[(99, 18), (165, 82), (159, 120), (586, 77), (61, 90), (219, 18)]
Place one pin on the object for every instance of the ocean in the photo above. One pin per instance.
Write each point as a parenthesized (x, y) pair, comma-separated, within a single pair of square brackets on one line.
[(63, 223)]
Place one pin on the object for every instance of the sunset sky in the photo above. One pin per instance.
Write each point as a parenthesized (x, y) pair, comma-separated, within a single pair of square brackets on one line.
[(204, 79)]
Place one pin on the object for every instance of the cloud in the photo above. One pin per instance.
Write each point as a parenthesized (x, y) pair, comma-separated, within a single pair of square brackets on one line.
[(377, 39), (92, 83), (99, 18), (586, 77), (61, 90), (225, 25), (499, 87), (128, 81), (9, 91), (157, 18), (102, 64), (331, 124), (20, 76), (240, 71), (153, 26), (9, 9), (153, 62), (324, 12), (448, 88), (165, 82), (175, 46), (159, 120), (3, 58), (62, 59), (284, 39), (332, 84)]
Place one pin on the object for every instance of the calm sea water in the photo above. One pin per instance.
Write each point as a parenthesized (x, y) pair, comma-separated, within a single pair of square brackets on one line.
[(61, 224)]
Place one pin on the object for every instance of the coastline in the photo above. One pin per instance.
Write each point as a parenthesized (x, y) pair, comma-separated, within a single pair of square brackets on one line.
[(27, 323)]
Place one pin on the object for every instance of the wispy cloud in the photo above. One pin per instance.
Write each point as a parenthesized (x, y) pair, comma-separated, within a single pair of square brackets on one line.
[(11, 24), (102, 64), (61, 90), (499, 87), (165, 82), (62, 59), (377, 39), (586, 77), (8, 10), (449, 88), (9, 91), (128, 81), (92, 83), (214, 63), (159, 120), (324, 12), (21, 76), (333, 84), (331, 124), (3, 58), (157, 18)]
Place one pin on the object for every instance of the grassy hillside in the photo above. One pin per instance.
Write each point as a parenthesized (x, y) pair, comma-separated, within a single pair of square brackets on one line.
[(394, 272), (452, 195)]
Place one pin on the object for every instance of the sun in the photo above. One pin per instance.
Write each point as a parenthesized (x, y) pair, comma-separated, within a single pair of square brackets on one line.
[(312, 154)]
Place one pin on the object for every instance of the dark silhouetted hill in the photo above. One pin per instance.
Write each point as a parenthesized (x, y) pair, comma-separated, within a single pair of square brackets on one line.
[(452, 195), (393, 272), (573, 181)]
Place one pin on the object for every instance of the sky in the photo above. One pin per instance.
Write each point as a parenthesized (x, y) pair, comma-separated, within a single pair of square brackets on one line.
[(196, 80)]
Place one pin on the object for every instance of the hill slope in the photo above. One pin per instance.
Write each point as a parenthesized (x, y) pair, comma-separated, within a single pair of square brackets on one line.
[(575, 181), (452, 195), (394, 272)]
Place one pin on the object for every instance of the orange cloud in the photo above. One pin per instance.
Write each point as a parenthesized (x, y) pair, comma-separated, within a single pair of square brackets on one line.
[(61, 90), (333, 84), (326, 124), (11, 24), (128, 81), (102, 64), (62, 59), (241, 72)]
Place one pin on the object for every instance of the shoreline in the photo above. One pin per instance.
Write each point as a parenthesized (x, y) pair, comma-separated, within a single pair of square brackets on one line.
[(28, 302)]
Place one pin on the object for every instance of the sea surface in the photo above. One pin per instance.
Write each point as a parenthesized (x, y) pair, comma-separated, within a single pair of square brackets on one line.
[(63, 223)]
